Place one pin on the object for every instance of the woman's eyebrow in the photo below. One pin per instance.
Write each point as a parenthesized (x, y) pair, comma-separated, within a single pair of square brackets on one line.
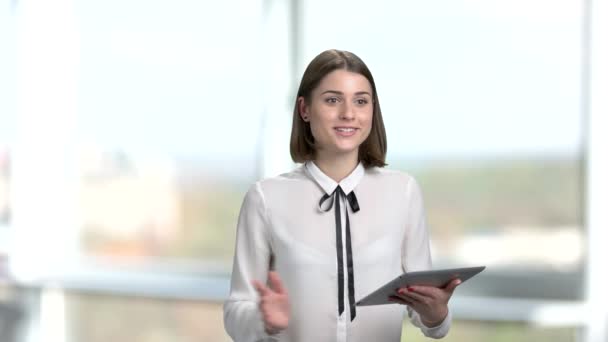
[(332, 92), (341, 93)]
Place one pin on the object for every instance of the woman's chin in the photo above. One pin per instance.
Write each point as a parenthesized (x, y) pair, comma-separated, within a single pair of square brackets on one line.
[(345, 150), (341, 148)]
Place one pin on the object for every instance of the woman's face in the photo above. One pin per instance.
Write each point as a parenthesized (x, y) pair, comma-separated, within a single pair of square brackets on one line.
[(340, 112)]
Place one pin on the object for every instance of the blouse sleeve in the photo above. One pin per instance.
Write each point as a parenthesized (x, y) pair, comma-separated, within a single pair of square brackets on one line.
[(242, 318), (416, 254)]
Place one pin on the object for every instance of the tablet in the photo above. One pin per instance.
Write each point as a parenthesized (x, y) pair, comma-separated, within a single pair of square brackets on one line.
[(437, 278)]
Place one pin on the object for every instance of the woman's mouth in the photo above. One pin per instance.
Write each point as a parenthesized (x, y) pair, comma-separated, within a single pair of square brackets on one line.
[(345, 131)]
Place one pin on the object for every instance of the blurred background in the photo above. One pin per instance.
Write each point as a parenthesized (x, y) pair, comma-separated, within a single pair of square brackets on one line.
[(130, 131)]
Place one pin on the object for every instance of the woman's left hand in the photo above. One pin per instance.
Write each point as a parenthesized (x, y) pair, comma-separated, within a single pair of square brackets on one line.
[(431, 303)]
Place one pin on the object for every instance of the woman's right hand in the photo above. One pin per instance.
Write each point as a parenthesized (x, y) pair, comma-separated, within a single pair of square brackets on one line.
[(274, 303)]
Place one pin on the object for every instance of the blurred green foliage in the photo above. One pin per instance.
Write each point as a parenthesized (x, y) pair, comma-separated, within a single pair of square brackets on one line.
[(461, 196)]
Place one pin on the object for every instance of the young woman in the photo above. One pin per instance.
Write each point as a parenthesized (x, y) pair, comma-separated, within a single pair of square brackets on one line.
[(336, 228)]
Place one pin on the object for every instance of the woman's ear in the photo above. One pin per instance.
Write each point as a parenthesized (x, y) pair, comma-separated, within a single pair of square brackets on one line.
[(303, 109)]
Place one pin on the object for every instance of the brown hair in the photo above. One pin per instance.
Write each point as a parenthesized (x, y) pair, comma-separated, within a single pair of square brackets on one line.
[(372, 151)]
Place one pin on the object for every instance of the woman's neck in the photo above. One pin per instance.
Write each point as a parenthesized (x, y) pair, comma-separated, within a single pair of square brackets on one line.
[(337, 167)]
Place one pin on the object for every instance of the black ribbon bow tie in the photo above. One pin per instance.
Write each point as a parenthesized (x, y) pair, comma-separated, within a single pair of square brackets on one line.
[(354, 205)]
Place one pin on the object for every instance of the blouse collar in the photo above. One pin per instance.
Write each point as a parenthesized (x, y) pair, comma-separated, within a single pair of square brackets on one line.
[(328, 185)]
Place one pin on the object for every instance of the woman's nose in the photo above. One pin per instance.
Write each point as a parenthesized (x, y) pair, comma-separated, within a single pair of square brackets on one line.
[(347, 111)]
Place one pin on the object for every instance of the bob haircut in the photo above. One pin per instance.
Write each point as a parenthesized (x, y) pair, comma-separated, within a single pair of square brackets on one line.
[(372, 152)]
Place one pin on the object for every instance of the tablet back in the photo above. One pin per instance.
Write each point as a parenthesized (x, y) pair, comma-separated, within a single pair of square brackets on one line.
[(437, 278)]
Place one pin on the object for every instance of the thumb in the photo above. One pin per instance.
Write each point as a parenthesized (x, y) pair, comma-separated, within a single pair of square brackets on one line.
[(261, 288), (275, 282), (452, 285)]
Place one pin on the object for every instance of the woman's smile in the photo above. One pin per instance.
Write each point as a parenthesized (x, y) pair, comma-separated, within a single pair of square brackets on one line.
[(344, 131)]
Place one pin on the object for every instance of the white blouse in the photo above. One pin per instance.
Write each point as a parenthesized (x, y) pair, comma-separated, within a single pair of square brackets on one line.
[(283, 226)]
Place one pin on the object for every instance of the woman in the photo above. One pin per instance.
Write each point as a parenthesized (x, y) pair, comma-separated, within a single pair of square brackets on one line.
[(334, 229)]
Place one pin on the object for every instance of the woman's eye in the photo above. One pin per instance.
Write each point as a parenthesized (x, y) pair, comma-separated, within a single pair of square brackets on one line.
[(361, 101), (331, 100)]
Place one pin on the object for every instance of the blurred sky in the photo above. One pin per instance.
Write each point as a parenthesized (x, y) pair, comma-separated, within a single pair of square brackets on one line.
[(455, 77)]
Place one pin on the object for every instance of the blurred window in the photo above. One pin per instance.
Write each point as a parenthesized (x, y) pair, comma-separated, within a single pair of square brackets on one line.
[(153, 119), (482, 104), (169, 119), (8, 82)]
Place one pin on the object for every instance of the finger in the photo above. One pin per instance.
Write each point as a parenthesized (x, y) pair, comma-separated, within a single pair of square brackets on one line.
[(269, 329), (427, 291), (399, 300), (275, 282), (452, 285), (412, 296), (261, 288)]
